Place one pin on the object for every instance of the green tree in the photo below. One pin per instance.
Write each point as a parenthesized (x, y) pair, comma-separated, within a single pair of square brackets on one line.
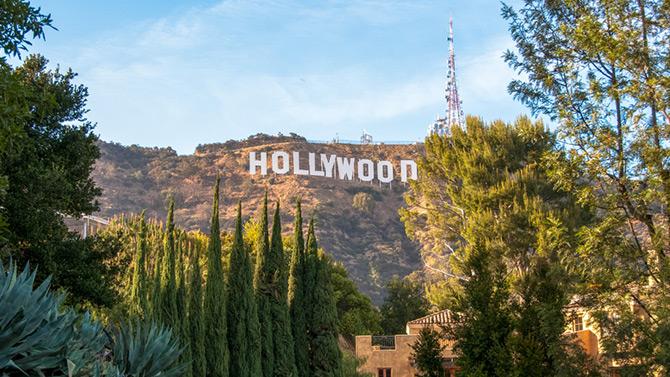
[(486, 185), (196, 318), (243, 326), (182, 320), (138, 294), (355, 313), (404, 302), (216, 341), (168, 287), (325, 354), (482, 339), (263, 289), (427, 354), (296, 297), (600, 69)]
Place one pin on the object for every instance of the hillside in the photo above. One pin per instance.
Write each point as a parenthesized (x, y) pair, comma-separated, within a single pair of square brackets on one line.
[(367, 238)]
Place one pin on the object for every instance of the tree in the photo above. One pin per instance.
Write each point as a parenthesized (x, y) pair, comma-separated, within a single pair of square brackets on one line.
[(168, 287), (243, 326), (139, 305), (181, 324), (263, 289), (486, 186), (325, 354), (404, 302), (355, 313), (427, 354), (482, 336), (600, 69), (196, 318), (216, 341), (284, 359), (296, 297)]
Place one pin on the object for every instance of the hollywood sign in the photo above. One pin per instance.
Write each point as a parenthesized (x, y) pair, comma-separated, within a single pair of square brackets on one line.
[(331, 166)]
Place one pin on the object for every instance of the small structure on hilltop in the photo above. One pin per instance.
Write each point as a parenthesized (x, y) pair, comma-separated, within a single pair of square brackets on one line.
[(366, 138)]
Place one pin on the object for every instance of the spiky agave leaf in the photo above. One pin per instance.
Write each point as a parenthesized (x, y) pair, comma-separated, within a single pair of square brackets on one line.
[(145, 349), (34, 330)]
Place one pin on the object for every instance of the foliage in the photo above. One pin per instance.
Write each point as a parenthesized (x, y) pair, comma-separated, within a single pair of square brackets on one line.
[(482, 343), (486, 186), (600, 69), (325, 354), (404, 302), (427, 354), (284, 359), (196, 317), (364, 202), (263, 289), (243, 327), (144, 349), (39, 336), (216, 341), (20, 22), (296, 297), (168, 276), (351, 366), (355, 313)]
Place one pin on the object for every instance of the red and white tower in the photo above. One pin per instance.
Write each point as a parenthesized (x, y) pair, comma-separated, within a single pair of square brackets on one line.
[(454, 114)]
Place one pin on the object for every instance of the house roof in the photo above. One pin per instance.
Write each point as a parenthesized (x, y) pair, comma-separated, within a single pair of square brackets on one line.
[(442, 317)]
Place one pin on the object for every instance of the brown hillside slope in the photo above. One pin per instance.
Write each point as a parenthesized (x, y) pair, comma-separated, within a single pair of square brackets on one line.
[(369, 240)]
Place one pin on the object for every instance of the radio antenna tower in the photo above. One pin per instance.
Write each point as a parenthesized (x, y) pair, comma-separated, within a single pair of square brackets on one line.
[(454, 115)]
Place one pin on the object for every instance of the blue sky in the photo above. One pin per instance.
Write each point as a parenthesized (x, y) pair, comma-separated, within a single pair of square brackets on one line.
[(175, 73)]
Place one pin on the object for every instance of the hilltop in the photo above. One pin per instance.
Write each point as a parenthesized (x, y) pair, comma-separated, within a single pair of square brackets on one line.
[(358, 222)]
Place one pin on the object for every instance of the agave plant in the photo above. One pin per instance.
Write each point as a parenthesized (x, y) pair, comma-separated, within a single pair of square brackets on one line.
[(144, 349), (38, 336)]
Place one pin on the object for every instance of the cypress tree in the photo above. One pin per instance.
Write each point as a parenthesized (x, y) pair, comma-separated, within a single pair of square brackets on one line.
[(284, 360), (168, 272), (156, 285), (216, 341), (243, 326), (138, 294), (197, 330), (296, 297), (182, 320), (263, 293), (325, 355)]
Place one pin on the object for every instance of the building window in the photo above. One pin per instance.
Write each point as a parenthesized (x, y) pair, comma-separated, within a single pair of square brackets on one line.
[(577, 323), (384, 372)]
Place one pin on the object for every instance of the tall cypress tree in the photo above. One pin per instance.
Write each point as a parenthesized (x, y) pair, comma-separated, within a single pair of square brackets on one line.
[(155, 298), (138, 295), (168, 272), (182, 319), (243, 325), (325, 354), (284, 360), (296, 298), (263, 292), (216, 341), (196, 320)]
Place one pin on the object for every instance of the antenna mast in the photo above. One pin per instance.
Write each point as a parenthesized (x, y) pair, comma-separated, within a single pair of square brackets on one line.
[(454, 114)]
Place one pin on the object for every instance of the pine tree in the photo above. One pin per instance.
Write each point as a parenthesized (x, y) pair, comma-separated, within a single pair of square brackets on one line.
[(138, 298), (263, 292), (216, 341), (325, 354), (243, 326), (182, 319), (196, 320), (483, 337), (168, 272), (284, 359), (296, 297), (427, 354)]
